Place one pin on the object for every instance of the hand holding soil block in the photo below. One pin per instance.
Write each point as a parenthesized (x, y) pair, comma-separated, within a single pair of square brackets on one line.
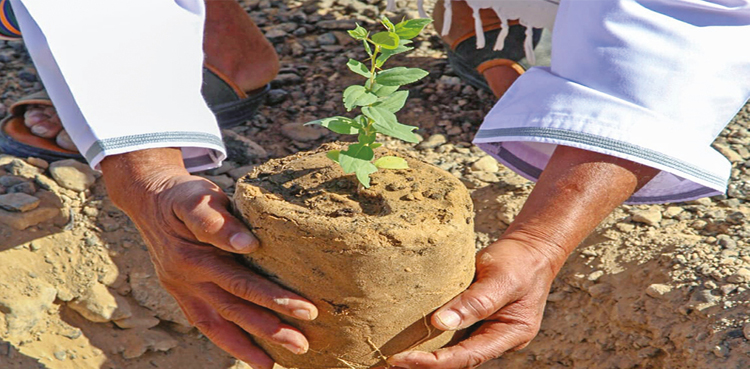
[(376, 262)]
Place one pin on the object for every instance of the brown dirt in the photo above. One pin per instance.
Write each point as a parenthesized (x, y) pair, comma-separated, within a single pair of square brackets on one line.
[(375, 261)]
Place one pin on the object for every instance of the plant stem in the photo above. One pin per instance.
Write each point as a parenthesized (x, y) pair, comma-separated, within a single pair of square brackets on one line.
[(373, 62)]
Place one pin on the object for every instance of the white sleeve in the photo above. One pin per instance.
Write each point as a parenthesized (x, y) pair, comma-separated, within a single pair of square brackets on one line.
[(125, 75), (651, 81)]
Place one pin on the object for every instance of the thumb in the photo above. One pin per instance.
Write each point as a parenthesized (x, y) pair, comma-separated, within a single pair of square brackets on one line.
[(488, 294), (209, 220)]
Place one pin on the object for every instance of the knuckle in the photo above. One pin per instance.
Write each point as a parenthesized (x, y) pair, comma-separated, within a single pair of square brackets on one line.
[(246, 289), (232, 311), (479, 305)]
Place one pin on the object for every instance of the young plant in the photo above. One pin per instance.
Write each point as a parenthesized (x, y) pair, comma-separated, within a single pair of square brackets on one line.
[(378, 100)]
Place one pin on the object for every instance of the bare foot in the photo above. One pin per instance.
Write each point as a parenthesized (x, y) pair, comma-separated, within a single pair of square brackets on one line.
[(233, 44)]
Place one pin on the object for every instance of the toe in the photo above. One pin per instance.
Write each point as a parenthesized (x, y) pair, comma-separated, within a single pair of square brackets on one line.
[(63, 140), (42, 121)]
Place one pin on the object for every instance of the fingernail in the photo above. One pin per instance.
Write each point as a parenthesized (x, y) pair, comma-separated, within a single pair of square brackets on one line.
[(449, 319), (303, 314), (39, 130), (299, 350), (242, 242)]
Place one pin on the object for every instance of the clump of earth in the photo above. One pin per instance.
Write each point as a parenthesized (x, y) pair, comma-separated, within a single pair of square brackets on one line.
[(660, 286)]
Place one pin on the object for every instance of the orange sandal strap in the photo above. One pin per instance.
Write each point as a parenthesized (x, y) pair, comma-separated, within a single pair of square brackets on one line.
[(481, 68)]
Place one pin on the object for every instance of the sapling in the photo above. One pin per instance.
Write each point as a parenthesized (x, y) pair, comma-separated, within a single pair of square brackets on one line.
[(378, 99)]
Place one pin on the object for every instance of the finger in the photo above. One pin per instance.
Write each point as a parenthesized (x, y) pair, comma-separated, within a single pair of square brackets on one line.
[(490, 341), (207, 217), (482, 299), (239, 281), (228, 336), (255, 320)]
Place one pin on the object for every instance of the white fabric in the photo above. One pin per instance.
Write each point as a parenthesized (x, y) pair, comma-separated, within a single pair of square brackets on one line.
[(124, 75), (652, 81)]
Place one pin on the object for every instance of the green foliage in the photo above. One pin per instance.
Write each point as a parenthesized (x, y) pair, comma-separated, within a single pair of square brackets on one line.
[(378, 99)]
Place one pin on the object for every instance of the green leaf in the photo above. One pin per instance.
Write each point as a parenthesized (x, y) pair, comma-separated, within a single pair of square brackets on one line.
[(394, 102), (341, 125), (385, 122), (383, 91), (333, 155), (359, 33), (400, 76), (386, 40), (375, 145), (359, 151), (366, 138), (391, 162), (388, 24), (361, 167), (358, 68), (402, 48), (367, 47), (409, 29), (358, 96)]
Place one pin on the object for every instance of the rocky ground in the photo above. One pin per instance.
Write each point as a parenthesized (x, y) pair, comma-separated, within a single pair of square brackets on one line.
[(661, 286)]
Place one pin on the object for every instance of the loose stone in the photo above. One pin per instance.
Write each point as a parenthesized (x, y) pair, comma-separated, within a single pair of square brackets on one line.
[(18, 202)]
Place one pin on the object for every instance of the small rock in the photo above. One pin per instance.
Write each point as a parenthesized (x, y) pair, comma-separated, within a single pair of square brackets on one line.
[(45, 182), (720, 351), (37, 162), (18, 167), (98, 305), (673, 211), (10, 181), (21, 221), (341, 24), (728, 288), (487, 164), (741, 276), (705, 296), (746, 331), (556, 296), (25, 187), (108, 224), (651, 216), (449, 81), (241, 171), (433, 142), (595, 275), (141, 319), (72, 174), (61, 355), (18, 202), (327, 39), (625, 227), (302, 133), (276, 96), (703, 201), (223, 181), (658, 290), (276, 35), (487, 177), (242, 149), (285, 79), (730, 154)]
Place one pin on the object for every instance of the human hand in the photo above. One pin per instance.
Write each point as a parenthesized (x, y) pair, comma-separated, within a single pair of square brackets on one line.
[(191, 237), (513, 279)]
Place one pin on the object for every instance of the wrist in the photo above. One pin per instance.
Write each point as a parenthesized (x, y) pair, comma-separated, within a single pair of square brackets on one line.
[(132, 177)]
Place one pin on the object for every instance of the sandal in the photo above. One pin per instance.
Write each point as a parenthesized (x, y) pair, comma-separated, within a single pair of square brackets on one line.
[(469, 61), (229, 103)]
